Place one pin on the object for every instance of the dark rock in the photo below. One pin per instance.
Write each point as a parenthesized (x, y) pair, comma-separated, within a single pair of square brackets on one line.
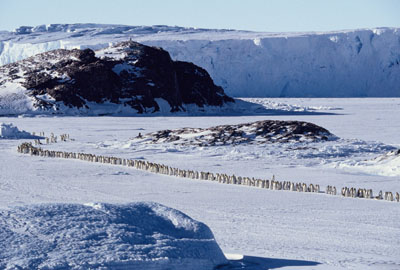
[(190, 76), (267, 131), (128, 73)]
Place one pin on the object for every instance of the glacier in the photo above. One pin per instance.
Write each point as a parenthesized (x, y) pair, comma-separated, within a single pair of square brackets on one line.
[(347, 63)]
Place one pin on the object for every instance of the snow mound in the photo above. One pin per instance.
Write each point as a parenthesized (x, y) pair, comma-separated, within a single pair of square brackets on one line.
[(8, 131), (105, 236), (386, 165)]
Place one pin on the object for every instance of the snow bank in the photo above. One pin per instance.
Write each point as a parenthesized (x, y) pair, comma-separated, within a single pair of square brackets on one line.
[(8, 131), (352, 63), (269, 104), (105, 236), (386, 165)]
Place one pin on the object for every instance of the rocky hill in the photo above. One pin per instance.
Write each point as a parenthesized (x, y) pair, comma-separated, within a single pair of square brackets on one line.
[(126, 77), (260, 132)]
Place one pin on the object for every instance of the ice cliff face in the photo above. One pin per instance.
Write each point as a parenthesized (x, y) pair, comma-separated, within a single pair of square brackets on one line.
[(354, 63)]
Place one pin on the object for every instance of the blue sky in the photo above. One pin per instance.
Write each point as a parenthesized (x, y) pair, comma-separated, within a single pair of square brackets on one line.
[(257, 15)]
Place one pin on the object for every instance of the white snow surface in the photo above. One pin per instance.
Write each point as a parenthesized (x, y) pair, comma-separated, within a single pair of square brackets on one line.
[(348, 63), (265, 229), (387, 165), (105, 236)]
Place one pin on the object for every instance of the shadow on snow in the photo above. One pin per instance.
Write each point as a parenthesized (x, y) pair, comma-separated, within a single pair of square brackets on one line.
[(259, 263)]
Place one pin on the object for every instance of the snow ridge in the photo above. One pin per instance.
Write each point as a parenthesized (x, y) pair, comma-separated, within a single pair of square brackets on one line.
[(387, 164)]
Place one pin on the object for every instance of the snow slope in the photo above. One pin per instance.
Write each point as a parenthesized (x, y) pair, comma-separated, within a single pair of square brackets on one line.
[(105, 236), (357, 63)]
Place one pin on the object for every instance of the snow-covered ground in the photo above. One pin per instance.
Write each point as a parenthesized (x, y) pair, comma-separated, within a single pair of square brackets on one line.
[(358, 63), (273, 229)]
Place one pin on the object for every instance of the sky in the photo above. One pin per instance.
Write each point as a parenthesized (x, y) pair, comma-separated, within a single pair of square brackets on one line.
[(255, 15)]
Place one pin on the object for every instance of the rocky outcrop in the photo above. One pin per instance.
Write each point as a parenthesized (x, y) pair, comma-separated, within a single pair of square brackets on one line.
[(260, 132), (128, 74)]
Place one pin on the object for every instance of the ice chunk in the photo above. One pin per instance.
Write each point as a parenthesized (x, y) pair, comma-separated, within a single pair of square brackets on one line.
[(8, 131)]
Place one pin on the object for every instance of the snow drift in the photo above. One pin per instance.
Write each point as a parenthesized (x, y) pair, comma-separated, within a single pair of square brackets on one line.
[(8, 131), (351, 63), (105, 236), (386, 165)]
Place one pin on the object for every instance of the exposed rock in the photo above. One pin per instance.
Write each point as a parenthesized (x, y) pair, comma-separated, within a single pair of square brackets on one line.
[(267, 131), (190, 76), (129, 74)]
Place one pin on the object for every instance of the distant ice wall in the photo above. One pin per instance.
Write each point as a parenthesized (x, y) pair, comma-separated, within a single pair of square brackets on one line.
[(354, 64), (359, 63), (12, 51)]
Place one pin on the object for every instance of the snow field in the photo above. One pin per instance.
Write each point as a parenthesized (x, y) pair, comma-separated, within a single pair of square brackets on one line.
[(338, 233), (28, 148), (271, 224)]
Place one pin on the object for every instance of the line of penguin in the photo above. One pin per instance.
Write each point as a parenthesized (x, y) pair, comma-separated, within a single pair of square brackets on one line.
[(52, 139), (28, 148)]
